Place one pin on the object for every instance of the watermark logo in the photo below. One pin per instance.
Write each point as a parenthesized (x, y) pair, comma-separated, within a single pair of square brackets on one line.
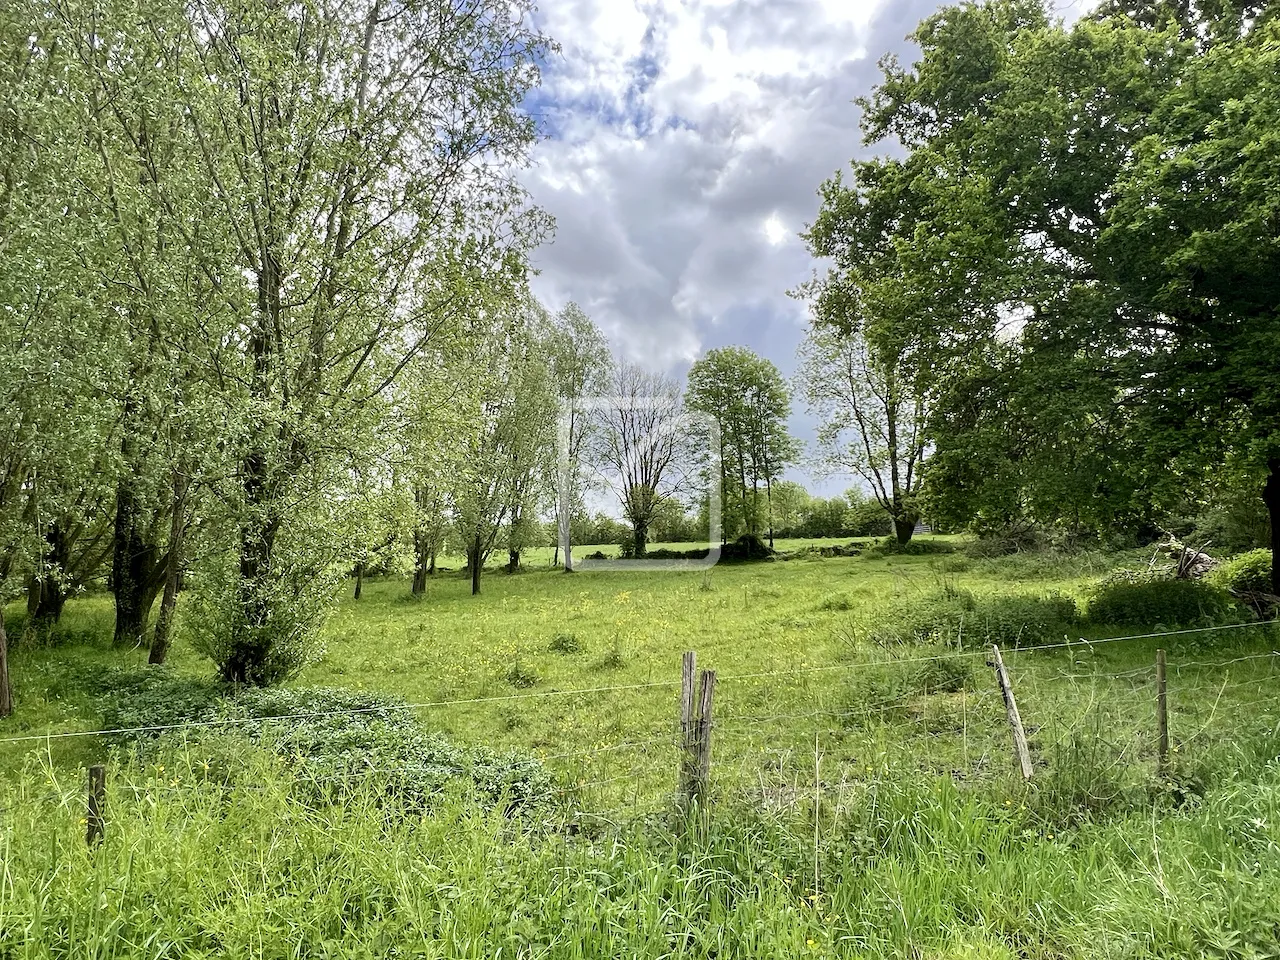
[(633, 455)]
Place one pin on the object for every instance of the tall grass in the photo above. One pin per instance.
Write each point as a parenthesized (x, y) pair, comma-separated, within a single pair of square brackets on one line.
[(904, 867)]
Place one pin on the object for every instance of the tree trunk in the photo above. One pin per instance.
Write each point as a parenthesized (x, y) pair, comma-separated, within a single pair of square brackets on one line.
[(903, 528), (513, 561), (53, 596), (431, 568), (640, 533), (475, 564), (1271, 497), (33, 596), (172, 574), (359, 580), (168, 611), (423, 555), (768, 492), (134, 565), (6, 692)]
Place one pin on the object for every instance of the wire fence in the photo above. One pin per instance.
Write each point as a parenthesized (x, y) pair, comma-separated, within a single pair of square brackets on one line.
[(883, 717)]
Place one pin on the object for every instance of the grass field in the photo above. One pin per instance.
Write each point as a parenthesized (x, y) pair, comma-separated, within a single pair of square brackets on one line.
[(924, 842)]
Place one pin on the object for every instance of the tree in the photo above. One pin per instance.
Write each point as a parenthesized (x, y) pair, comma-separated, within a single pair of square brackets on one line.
[(1099, 192), (641, 445), (790, 506), (362, 158), (872, 415), (57, 420), (507, 431), (750, 403), (580, 365)]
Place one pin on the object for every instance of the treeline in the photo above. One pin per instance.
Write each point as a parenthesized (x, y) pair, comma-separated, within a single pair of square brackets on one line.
[(1047, 305), (262, 297)]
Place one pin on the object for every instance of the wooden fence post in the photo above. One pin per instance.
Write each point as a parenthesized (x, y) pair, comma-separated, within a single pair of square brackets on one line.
[(695, 732), (707, 689), (95, 826), (1020, 751), (1162, 715)]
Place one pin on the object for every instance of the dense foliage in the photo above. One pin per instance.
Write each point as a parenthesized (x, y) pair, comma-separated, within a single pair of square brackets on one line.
[(1071, 255)]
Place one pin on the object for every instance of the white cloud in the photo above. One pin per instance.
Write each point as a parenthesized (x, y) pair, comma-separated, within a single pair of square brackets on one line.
[(688, 139)]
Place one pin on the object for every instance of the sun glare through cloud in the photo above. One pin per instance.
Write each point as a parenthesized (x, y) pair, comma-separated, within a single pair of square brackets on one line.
[(775, 231)]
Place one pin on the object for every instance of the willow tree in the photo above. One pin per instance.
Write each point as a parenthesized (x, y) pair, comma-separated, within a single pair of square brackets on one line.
[(580, 366), (750, 402), (872, 415), (507, 430), (362, 158), (58, 417)]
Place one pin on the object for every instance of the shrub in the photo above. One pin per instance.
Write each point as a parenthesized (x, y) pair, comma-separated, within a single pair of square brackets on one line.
[(566, 643), (1245, 573), (1145, 599), (918, 547), (292, 600), (958, 618)]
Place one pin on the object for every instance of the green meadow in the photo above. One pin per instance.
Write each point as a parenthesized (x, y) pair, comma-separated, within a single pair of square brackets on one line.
[(864, 799)]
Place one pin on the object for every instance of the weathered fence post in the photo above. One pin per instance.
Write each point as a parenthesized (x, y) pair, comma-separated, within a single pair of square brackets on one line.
[(1020, 751), (695, 732), (707, 689), (95, 826), (1162, 715)]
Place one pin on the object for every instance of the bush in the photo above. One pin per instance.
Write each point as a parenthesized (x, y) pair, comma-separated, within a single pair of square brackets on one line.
[(1245, 573), (566, 643), (332, 740), (955, 617), (1145, 599)]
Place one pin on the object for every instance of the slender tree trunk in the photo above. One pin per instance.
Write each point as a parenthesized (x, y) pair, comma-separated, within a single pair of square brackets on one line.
[(768, 493), (419, 573), (473, 561), (6, 691), (359, 579), (424, 559), (513, 561), (173, 573), (135, 562), (431, 567), (33, 596), (1271, 497)]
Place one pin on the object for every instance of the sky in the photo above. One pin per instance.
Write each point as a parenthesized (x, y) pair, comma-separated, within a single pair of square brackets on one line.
[(685, 141)]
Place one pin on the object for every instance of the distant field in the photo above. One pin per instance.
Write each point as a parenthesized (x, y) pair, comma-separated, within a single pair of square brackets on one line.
[(804, 623)]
